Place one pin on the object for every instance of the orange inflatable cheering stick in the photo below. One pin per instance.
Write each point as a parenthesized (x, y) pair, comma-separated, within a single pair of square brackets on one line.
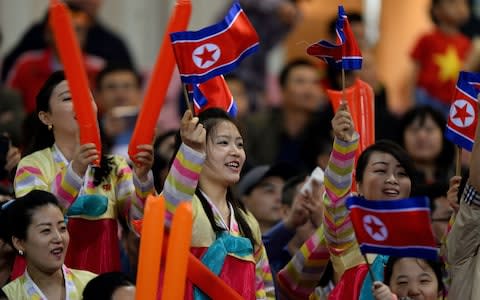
[(159, 81), (71, 57)]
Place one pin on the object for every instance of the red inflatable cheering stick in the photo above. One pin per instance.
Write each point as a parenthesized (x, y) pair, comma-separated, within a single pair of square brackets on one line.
[(71, 57), (158, 84)]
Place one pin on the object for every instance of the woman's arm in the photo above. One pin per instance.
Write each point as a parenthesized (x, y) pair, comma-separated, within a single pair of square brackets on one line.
[(37, 172), (298, 279), (183, 176)]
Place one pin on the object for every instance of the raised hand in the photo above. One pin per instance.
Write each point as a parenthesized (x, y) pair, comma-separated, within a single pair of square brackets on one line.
[(452, 193), (84, 155), (342, 124), (382, 291), (143, 161), (193, 134)]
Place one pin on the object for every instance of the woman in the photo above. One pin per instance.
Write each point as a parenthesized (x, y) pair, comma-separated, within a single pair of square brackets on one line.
[(38, 232), (383, 172), (410, 278), (225, 236), (92, 196), (422, 129)]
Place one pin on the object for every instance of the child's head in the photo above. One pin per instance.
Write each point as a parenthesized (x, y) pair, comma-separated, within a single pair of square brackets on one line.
[(450, 12), (413, 277)]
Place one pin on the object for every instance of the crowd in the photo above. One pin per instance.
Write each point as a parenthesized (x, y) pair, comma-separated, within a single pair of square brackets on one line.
[(262, 221)]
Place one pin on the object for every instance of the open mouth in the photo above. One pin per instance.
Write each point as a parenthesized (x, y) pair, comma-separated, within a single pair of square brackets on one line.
[(57, 252), (234, 165)]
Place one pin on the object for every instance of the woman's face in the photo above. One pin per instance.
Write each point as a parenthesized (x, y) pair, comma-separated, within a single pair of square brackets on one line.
[(61, 114), (423, 142), (225, 154), (414, 278), (47, 240), (384, 178)]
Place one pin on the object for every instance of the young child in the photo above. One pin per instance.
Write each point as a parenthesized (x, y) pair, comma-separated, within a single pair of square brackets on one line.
[(439, 54), (410, 278)]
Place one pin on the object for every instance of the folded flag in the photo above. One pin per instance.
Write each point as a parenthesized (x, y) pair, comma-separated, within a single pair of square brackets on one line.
[(462, 119), (216, 49), (212, 93), (344, 54), (398, 228)]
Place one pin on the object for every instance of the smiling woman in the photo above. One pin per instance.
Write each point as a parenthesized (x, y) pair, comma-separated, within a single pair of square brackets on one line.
[(92, 197), (225, 236), (37, 230)]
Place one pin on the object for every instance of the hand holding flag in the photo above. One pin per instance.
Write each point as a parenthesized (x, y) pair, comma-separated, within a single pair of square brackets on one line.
[(398, 228), (344, 54)]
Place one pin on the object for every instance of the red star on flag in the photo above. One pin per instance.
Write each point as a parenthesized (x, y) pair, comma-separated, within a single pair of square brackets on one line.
[(206, 55), (376, 228), (461, 113)]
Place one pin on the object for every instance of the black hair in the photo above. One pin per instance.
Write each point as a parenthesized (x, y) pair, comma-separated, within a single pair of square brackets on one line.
[(104, 285), (384, 146), (3, 296), (287, 69), (113, 67), (436, 266), (289, 189), (43, 137), (433, 6), (19, 213), (353, 17), (210, 118), (421, 113)]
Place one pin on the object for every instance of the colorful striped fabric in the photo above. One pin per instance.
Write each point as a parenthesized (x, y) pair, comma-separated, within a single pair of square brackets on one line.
[(180, 185), (299, 278), (338, 182), (49, 170)]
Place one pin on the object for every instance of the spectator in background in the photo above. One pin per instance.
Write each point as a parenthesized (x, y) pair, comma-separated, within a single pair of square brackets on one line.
[(164, 151), (279, 135), (37, 230), (119, 96), (273, 20), (422, 135), (260, 190), (100, 41), (11, 111), (439, 55), (34, 67), (110, 286), (303, 215)]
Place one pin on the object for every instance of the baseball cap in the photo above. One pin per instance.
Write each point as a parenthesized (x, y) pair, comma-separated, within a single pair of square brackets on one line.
[(253, 177)]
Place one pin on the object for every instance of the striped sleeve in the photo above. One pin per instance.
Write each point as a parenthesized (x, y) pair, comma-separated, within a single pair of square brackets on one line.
[(264, 286), (298, 279), (131, 193), (338, 182), (32, 175), (182, 179)]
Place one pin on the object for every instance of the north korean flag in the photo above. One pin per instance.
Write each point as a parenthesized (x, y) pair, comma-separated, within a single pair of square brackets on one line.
[(462, 120), (345, 53), (213, 93), (216, 49), (397, 228)]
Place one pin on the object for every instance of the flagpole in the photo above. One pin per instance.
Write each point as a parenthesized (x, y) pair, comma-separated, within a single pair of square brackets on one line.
[(187, 102), (343, 87), (458, 169), (372, 277)]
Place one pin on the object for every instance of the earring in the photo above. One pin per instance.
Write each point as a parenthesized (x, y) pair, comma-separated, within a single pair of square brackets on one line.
[(50, 127), (20, 252)]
